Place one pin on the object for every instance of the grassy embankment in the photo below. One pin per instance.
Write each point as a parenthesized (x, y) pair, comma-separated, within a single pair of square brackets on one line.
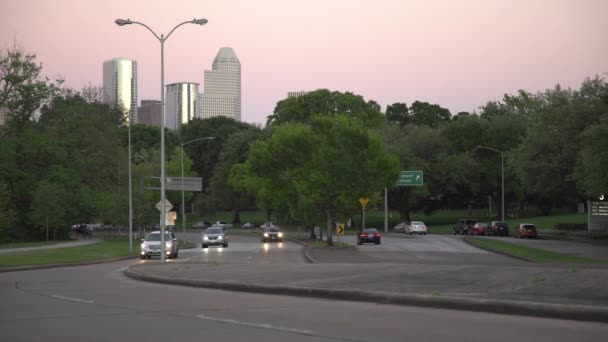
[(108, 248), (530, 253)]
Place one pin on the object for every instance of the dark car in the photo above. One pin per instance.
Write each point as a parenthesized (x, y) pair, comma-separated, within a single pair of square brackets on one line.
[(271, 234), (368, 235), (526, 230), (497, 228), (478, 229), (462, 226)]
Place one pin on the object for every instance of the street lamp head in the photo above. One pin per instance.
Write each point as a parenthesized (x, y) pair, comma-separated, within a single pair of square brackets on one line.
[(201, 21), (123, 22)]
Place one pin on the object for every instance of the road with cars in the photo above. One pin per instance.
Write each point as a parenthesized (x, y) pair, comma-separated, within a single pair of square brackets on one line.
[(97, 302)]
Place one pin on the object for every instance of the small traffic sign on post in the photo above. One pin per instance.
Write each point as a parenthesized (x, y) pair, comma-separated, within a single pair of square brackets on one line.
[(168, 206), (363, 201), (410, 178), (340, 229)]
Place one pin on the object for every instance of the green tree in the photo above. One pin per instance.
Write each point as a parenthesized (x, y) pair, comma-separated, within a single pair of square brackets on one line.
[(591, 171), (48, 210), (323, 102), (398, 114), (326, 165), (424, 113), (22, 91)]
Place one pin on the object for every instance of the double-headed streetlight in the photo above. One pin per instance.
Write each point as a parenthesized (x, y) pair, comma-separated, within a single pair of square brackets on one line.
[(183, 201), (161, 39), (502, 169)]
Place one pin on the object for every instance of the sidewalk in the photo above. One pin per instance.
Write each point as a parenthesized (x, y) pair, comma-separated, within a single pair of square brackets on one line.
[(572, 292), (58, 245)]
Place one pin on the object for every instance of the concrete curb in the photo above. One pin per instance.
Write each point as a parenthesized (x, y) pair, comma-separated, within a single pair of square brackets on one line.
[(68, 264), (497, 252), (544, 310), (306, 251)]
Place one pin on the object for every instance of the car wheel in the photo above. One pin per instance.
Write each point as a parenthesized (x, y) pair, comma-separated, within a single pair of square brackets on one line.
[(143, 257), (424, 233), (176, 254), (359, 243), (205, 246), (225, 245)]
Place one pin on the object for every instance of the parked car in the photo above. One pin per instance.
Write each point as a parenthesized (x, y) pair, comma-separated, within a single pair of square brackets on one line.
[(201, 225), (478, 229), (415, 227), (150, 246), (497, 228), (400, 227), (223, 224), (368, 235), (526, 230), (462, 226), (271, 234), (214, 236), (247, 225)]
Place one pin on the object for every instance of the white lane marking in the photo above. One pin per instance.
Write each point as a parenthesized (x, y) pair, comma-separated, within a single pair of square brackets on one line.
[(74, 299), (254, 325)]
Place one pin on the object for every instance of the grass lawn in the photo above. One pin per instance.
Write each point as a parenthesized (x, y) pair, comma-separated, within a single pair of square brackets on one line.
[(30, 244), (535, 254), (107, 249)]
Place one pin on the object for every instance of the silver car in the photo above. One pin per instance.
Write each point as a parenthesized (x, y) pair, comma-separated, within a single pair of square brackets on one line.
[(214, 236), (150, 246)]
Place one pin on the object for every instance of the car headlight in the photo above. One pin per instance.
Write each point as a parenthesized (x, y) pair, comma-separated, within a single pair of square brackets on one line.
[(265, 234), (220, 237), (280, 234), (168, 244), (205, 238), (143, 245)]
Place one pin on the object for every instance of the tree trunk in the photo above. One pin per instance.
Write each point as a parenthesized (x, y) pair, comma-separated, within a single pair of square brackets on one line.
[(268, 214), (236, 219), (330, 224)]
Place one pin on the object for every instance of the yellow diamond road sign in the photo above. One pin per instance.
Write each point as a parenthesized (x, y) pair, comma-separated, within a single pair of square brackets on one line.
[(363, 201)]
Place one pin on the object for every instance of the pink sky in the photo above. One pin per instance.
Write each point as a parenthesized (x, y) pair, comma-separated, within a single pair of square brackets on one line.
[(458, 54)]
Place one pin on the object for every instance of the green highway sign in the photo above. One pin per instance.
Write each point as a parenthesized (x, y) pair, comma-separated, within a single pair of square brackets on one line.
[(410, 178)]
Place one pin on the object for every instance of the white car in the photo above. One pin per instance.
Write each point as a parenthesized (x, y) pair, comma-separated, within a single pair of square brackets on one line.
[(415, 227), (214, 236), (400, 227), (223, 224), (150, 246)]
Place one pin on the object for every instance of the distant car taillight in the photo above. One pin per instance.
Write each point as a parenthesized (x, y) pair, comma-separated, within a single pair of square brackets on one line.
[(364, 235), (376, 235)]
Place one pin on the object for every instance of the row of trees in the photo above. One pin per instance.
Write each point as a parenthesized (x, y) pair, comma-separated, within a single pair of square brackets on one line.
[(63, 155)]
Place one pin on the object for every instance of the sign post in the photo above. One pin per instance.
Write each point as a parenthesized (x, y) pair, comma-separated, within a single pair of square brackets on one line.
[(363, 201)]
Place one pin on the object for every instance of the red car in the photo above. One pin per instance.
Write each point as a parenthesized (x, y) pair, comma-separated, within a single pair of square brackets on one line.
[(526, 230), (478, 229)]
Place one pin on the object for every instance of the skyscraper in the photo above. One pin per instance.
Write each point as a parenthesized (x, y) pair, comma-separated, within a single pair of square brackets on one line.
[(120, 86), (222, 93), (149, 113), (181, 104)]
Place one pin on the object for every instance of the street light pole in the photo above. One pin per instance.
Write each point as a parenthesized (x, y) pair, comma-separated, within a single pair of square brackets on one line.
[(502, 171), (161, 39), (183, 200)]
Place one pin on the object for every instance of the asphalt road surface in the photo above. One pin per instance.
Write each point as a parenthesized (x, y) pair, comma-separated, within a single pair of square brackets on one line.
[(98, 303)]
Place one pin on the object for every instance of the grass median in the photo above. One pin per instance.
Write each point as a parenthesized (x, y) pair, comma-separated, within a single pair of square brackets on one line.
[(530, 253), (104, 250)]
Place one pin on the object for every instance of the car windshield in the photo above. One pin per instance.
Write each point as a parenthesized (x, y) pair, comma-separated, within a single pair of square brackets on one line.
[(272, 230), (156, 237), (370, 231), (214, 231), (417, 223), (529, 226)]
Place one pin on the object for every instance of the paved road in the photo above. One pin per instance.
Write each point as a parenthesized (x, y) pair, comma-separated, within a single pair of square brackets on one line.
[(97, 303), (577, 248)]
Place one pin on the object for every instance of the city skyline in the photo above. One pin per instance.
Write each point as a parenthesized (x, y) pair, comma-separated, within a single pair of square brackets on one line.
[(458, 54)]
